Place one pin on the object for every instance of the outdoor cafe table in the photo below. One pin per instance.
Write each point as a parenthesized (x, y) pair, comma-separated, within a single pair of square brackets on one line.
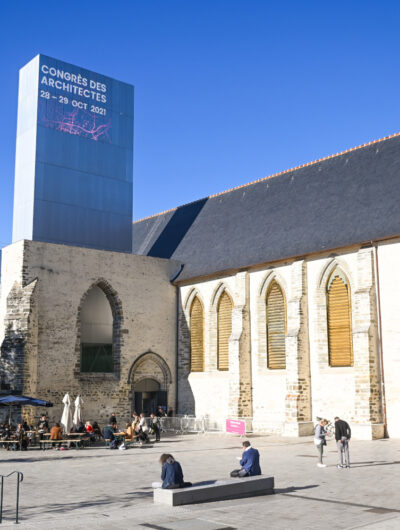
[(71, 434)]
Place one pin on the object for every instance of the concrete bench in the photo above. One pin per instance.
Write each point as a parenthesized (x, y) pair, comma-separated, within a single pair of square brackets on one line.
[(218, 490)]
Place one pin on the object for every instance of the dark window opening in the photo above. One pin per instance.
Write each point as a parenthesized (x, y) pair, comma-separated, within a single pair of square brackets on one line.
[(96, 358)]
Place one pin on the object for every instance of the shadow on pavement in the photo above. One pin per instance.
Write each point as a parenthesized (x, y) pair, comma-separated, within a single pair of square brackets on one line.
[(371, 464), (368, 507), (291, 489)]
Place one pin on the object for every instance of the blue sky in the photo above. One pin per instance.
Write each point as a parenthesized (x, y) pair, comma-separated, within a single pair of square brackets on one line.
[(226, 91)]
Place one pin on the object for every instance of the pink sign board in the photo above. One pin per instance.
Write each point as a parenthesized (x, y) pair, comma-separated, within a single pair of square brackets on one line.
[(236, 427)]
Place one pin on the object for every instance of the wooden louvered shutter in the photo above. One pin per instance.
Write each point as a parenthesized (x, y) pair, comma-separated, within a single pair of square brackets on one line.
[(196, 336), (276, 328), (224, 330), (339, 323)]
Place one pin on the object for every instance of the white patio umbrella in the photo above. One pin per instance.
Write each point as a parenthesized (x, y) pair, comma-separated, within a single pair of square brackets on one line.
[(78, 411), (66, 418)]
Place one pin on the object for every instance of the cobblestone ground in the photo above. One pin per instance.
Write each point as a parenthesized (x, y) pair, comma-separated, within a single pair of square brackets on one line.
[(100, 488)]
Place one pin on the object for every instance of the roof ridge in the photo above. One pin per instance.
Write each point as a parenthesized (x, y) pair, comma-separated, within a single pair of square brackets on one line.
[(276, 174)]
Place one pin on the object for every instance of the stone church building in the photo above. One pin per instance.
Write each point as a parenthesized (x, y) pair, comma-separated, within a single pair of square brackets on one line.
[(276, 301)]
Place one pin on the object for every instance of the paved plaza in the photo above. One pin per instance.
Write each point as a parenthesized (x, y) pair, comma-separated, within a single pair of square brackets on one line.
[(100, 488)]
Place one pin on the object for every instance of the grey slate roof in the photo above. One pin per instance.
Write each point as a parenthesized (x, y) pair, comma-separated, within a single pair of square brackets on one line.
[(346, 199)]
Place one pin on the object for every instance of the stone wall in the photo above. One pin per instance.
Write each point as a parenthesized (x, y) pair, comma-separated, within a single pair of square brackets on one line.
[(389, 274), (287, 401), (43, 287)]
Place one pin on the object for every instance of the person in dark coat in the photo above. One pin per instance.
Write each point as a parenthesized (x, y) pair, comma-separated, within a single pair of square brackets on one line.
[(171, 474), (342, 437), (250, 462), (161, 412), (109, 432)]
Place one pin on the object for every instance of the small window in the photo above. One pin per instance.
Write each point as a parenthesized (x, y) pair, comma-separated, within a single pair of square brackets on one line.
[(339, 320), (196, 336), (276, 327), (96, 333), (224, 330)]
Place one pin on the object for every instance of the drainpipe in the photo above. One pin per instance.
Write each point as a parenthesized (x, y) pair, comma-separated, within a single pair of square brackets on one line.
[(382, 372), (178, 295)]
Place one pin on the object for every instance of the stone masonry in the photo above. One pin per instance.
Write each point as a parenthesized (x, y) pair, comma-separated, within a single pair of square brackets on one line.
[(43, 288)]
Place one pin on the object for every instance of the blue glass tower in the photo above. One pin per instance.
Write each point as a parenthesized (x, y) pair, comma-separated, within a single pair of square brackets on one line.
[(74, 157)]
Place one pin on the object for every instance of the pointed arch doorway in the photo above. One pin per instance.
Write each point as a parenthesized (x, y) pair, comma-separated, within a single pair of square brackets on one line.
[(148, 396), (150, 378)]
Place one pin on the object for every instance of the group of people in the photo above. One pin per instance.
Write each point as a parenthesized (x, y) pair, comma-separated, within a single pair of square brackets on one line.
[(23, 433), (18, 433), (172, 474), (342, 437), (136, 429)]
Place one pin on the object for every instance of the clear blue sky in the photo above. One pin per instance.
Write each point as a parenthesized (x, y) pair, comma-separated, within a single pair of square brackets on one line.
[(227, 91)]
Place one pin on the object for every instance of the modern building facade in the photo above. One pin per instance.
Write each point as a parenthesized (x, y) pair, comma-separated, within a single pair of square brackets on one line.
[(74, 157), (277, 301)]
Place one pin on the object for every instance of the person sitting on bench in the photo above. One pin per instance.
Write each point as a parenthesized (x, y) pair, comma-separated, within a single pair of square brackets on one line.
[(171, 474), (56, 433), (250, 462)]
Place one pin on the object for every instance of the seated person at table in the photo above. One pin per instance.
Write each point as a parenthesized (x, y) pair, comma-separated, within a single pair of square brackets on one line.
[(109, 434), (56, 433), (171, 474), (26, 426), (140, 434), (250, 462), (129, 433), (80, 428), (4, 431), (135, 419), (97, 430), (42, 426), (90, 431)]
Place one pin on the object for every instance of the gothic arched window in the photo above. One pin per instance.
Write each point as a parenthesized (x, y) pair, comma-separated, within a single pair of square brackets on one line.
[(339, 320), (196, 336), (276, 327), (224, 314), (96, 332)]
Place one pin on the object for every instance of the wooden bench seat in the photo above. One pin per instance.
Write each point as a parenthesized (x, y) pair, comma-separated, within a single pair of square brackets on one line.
[(49, 443), (233, 488)]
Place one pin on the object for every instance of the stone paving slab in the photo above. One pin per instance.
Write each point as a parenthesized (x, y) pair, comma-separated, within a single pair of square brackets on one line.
[(100, 488)]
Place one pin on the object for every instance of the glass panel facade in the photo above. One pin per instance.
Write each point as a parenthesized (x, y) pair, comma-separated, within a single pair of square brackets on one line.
[(74, 158)]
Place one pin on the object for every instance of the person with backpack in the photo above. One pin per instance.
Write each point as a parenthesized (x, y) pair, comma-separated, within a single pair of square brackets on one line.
[(320, 441), (342, 437), (155, 426)]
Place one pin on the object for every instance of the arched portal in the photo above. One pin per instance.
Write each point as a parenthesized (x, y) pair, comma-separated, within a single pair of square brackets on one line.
[(150, 378), (147, 396)]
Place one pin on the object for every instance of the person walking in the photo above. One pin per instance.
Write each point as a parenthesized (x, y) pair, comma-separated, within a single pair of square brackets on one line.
[(250, 462), (342, 437), (320, 441)]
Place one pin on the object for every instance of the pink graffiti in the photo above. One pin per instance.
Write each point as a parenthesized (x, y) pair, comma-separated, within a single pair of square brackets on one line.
[(81, 123)]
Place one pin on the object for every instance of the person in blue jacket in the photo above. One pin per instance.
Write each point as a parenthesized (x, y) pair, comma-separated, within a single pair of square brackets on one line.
[(250, 462), (171, 474)]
